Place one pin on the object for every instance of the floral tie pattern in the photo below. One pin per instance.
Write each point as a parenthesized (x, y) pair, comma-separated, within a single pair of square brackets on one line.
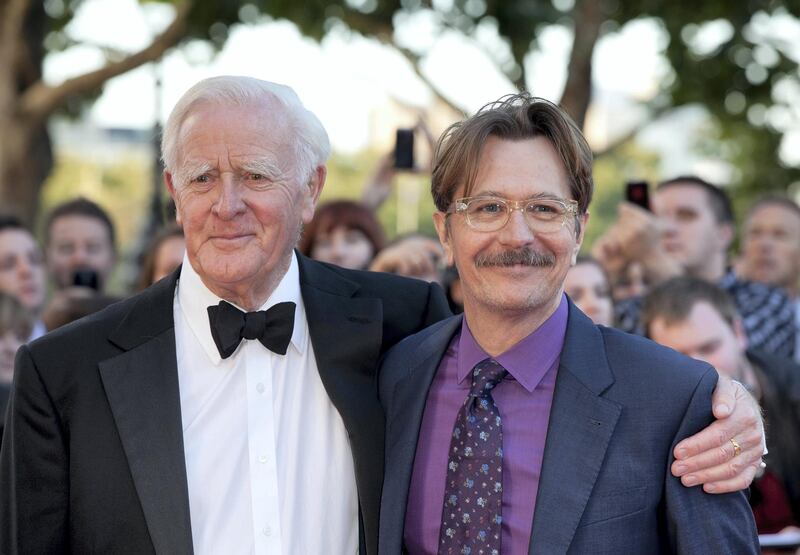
[(473, 497)]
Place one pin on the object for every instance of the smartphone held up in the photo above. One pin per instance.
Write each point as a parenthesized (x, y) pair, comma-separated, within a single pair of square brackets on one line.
[(636, 192)]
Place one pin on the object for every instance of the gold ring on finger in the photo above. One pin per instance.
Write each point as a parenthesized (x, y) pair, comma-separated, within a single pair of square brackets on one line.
[(737, 449)]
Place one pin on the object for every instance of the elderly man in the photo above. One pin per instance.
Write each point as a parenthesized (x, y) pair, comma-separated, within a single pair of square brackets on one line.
[(158, 425), (523, 427), (161, 425)]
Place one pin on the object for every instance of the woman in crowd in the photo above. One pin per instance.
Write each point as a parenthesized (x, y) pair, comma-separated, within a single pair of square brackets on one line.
[(163, 255), (344, 233), (588, 287)]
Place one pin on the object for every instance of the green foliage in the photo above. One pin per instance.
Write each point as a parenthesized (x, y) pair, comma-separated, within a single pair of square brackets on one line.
[(611, 172)]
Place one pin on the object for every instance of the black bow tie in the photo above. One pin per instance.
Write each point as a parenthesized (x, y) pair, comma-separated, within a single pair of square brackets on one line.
[(272, 327)]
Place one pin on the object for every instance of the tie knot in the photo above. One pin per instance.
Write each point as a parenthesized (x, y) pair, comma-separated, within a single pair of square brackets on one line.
[(254, 324), (485, 376)]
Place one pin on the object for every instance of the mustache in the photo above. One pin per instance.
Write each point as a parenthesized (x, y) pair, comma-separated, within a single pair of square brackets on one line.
[(524, 256)]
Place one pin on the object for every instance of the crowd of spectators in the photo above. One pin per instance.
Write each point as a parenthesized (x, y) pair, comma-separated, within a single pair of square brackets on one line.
[(666, 272)]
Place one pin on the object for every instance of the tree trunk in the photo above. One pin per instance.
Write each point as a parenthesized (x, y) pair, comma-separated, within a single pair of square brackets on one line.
[(26, 102), (25, 155), (26, 162), (587, 15)]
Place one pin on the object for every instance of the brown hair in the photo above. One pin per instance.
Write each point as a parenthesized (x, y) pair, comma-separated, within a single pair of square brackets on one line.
[(718, 200), (512, 117), (774, 200), (81, 207), (14, 317), (674, 299), (345, 213)]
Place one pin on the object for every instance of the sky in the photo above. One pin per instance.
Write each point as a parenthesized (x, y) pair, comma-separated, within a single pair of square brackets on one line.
[(346, 78)]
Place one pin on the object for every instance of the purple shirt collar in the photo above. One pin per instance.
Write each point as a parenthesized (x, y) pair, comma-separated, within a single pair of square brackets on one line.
[(545, 342)]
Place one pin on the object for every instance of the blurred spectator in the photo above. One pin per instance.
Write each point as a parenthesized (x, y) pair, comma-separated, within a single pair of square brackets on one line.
[(630, 282), (73, 304), (16, 323), (22, 272), (587, 285), (413, 255), (699, 319), (771, 249), (162, 256), (79, 245), (344, 233), (689, 233)]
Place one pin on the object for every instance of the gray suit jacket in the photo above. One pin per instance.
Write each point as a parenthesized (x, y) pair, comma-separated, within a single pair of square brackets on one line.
[(620, 405)]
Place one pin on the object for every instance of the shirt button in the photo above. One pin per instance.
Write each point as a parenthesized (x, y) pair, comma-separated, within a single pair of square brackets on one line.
[(260, 388), (267, 531), (262, 459)]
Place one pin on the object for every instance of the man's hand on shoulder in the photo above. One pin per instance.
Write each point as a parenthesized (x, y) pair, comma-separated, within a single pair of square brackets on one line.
[(725, 456)]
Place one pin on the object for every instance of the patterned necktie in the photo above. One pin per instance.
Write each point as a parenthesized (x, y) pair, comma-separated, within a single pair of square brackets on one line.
[(473, 496)]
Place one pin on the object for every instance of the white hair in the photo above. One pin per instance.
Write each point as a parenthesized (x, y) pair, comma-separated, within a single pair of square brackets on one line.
[(311, 147)]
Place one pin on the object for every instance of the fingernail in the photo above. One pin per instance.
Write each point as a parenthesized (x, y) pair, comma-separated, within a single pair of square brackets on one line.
[(723, 408), (681, 468), (710, 488), (690, 480)]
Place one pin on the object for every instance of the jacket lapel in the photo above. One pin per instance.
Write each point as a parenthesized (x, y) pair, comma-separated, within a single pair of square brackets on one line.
[(346, 334), (581, 425), (141, 385), (408, 406)]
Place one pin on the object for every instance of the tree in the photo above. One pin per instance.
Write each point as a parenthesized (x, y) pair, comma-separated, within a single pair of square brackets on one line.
[(735, 80)]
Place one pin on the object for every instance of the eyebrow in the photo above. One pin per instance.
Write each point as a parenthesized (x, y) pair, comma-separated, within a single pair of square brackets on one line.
[(190, 170), (484, 194), (266, 167)]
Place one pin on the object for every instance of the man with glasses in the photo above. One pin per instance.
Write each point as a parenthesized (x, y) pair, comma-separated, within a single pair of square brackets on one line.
[(523, 427)]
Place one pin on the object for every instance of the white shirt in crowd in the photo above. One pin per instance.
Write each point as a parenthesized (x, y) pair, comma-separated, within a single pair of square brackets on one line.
[(268, 460)]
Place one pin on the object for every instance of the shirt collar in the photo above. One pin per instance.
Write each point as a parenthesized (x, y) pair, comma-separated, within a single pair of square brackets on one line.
[(194, 299), (527, 361)]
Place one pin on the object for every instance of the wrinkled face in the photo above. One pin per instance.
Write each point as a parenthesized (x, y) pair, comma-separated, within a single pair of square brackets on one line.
[(586, 285), (691, 234), (514, 270), (22, 268), (168, 257), (706, 336), (771, 246), (9, 343), (239, 196), (346, 247), (79, 242)]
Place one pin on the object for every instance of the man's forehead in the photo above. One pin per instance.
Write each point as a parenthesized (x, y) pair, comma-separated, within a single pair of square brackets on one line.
[(532, 162), (774, 215), (681, 195)]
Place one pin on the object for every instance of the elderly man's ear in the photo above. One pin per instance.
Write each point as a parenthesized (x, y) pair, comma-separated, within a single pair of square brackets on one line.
[(315, 184)]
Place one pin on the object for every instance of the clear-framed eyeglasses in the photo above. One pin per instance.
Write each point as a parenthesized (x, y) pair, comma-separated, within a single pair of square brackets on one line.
[(543, 215)]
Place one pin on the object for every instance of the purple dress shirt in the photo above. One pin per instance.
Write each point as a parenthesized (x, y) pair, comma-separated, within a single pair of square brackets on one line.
[(524, 399)]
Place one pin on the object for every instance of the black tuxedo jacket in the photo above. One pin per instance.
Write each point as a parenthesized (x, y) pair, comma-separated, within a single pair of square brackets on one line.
[(93, 460)]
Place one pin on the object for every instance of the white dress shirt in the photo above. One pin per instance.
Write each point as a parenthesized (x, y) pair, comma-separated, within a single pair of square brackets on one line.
[(268, 460)]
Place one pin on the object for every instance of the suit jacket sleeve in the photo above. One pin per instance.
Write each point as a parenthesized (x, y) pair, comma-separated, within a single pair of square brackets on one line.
[(696, 519), (34, 494)]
